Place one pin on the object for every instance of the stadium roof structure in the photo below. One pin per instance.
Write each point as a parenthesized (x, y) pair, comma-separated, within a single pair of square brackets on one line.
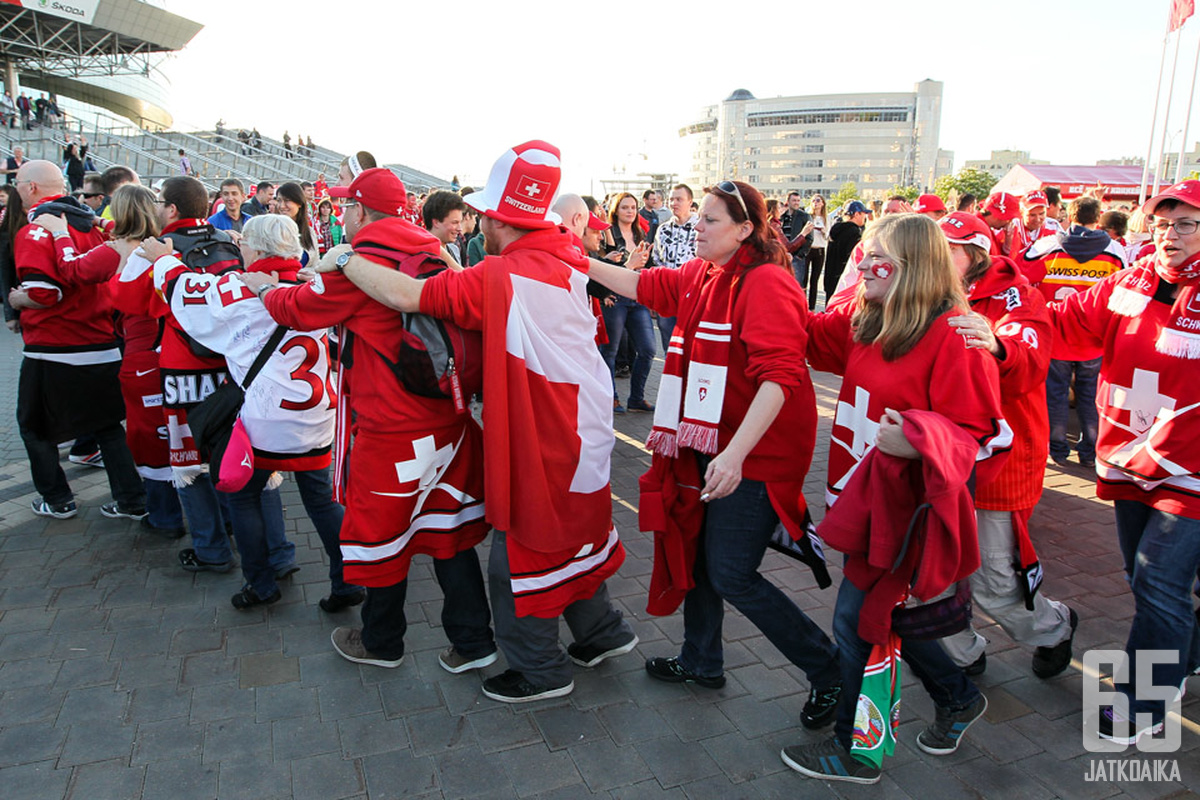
[(1073, 180), (53, 43)]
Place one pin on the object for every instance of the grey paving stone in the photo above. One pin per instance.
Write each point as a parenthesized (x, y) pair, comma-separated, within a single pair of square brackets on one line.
[(167, 740), (567, 726), (605, 766), (237, 740), (76, 620), (28, 673), (645, 790), (692, 721), (929, 778), (255, 782), (89, 742), (1065, 778), (400, 774), (25, 744), (470, 773), (40, 781), (325, 777), (196, 640), (205, 669), (158, 702), (95, 704), (112, 780), (326, 667), (86, 672), (347, 698), (371, 734), (674, 762), (181, 779), (252, 639), (25, 620), (286, 700), (267, 669), (593, 690), (141, 641), (19, 705), (221, 701), (408, 695), (434, 732), (26, 644), (301, 737), (627, 723), (498, 728), (534, 769)]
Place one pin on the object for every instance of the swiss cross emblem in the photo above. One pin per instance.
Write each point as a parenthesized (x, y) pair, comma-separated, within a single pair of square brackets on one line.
[(532, 188), (37, 234), (703, 392)]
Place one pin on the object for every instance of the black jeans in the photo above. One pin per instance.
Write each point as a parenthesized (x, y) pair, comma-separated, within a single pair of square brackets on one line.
[(51, 482), (465, 615)]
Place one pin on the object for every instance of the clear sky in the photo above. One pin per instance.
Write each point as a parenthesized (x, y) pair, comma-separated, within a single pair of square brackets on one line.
[(446, 87)]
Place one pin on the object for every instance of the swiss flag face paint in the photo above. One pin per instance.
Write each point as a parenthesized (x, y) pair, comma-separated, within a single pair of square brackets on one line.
[(883, 270)]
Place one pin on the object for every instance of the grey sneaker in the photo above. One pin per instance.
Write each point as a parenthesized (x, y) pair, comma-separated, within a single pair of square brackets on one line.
[(455, 662), (829, 761), (44, 509), (592, 655), (348, 644), (942, 737)]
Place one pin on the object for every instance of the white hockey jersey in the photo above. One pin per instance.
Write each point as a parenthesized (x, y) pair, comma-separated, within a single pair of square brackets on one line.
[(290, 408)]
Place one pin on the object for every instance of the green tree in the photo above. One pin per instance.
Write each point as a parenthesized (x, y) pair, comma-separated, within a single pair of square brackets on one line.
[(909, 193), (966, 180), (843, 195)]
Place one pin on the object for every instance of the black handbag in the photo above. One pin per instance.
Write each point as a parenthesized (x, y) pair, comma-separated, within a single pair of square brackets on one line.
[(211, 420), (938, 618)]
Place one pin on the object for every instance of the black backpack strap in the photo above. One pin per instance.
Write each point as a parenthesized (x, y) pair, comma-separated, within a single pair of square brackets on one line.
[(263, 355)]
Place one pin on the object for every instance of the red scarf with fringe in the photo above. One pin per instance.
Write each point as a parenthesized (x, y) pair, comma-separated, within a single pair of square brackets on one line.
[(692, 390), (1181, 335)]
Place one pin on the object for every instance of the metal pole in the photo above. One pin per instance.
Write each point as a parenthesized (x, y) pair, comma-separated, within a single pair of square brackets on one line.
[(1162, 147), (1188, 118), (1162, 61)]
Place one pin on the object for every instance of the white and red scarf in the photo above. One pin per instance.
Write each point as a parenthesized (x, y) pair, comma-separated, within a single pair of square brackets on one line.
[(1180, 337), (692, 390)]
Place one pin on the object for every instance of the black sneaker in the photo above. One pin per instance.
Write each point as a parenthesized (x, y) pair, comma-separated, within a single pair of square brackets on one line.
[(821, 707), (671, 671), (248, 598), (166, 533), (512, 687), (1108, 721), (942, 737), (114, 510), (591, 655), (977, 667), (829, 761), (339, 602), (1051, 661), (192, 563), (62, 511)]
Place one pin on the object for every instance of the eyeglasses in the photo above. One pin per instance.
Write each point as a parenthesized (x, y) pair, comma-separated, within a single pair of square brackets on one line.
[(730, 188), (1183, 227), (90, 195)]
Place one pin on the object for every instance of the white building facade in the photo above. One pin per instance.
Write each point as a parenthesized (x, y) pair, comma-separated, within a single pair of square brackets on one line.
[(816, 143)]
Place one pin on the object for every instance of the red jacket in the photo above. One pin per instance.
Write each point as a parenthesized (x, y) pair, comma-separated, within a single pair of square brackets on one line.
[(1021, 324), (871, 521), (770, 321)]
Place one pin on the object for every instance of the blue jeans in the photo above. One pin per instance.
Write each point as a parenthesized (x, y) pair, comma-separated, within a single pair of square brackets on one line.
[(945, 681), (205, 521), (257, 517), (629, 314), (162, 504), (1058, 381), (737, 529), (316, 493), (666, 326), (1162, 554)]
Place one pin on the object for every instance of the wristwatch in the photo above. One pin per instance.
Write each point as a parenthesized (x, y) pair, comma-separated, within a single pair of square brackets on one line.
[(266, 287), (342, 260)]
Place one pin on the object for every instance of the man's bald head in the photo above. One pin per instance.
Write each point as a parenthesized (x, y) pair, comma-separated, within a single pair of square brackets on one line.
[(37, 180), (574, 213)]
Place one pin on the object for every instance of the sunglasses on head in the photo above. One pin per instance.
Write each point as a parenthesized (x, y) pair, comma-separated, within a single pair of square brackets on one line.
[(730, 188)]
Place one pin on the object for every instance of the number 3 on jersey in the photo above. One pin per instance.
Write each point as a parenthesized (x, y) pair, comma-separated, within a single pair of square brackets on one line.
[(319, 387)]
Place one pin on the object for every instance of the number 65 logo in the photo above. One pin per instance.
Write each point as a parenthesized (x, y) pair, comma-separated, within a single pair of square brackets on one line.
[(1095, 698)]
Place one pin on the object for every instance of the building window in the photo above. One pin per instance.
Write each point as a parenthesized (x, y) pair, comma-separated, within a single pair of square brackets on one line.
[(699, 127), (831, 116), (814, 148)]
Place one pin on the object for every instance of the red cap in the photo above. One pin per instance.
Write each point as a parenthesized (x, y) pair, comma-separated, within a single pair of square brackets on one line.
[(521, 187), (963, 228), (597, 224), (928, 202), (376, 188), (1001, 205), (1034, 199), (1185, 192)]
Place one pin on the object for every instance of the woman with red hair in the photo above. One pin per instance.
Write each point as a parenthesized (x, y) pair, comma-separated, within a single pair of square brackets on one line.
[(732, 439)]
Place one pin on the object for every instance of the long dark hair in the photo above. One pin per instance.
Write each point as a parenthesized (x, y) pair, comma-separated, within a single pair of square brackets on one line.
[(292, 191), (636, 226), (14, 214), (762, 239)]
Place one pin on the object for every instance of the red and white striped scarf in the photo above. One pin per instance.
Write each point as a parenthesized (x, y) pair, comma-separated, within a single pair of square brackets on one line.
[(1180, 337), (692, 390)]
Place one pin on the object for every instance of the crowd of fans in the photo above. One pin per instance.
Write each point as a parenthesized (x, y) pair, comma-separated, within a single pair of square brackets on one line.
[(369, 330)]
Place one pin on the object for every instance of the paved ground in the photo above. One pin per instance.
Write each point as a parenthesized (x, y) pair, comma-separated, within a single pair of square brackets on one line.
[(122, 676)]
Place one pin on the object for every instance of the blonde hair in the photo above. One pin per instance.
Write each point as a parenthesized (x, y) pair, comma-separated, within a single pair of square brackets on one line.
[(133, 213), (925, 286), (272, 235), (1138, 222)]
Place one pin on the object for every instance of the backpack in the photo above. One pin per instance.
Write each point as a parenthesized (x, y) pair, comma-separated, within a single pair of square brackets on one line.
[(437, 358), (205, 249)]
